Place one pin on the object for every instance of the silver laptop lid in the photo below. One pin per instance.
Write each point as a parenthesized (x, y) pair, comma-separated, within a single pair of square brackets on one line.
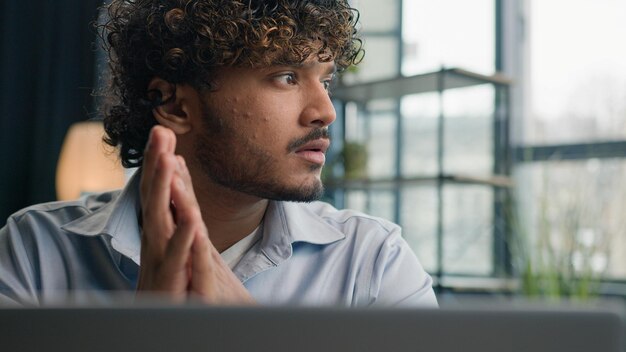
[(300, 329)]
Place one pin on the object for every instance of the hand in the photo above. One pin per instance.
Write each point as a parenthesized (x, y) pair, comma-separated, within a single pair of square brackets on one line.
[(177, 257)]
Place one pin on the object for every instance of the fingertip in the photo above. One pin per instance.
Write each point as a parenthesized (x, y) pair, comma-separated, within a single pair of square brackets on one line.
[(154, 139), (157, 128), (171, 139), (161, 132)]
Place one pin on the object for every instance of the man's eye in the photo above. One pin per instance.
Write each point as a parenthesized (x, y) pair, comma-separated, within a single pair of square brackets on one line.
[(287, 78), (328, 83)]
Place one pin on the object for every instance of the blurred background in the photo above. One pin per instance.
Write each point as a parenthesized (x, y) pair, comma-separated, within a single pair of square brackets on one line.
[(493, 131)]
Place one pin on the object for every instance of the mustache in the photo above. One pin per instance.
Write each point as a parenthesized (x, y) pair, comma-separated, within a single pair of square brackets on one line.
[(315, 134)]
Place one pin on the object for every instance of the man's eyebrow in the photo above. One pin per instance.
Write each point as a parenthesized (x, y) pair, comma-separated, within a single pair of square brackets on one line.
[(331, 70)]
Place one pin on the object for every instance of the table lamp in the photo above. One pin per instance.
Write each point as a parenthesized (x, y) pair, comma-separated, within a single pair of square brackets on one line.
[(85, 164)]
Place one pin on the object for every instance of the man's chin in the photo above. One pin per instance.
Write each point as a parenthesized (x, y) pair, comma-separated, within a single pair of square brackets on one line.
[(303, 193)]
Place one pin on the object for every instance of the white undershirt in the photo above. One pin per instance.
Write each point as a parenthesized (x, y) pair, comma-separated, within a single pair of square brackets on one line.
[(234, 253)]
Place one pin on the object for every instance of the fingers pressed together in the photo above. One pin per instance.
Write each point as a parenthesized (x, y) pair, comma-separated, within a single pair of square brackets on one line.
[(177, 257)]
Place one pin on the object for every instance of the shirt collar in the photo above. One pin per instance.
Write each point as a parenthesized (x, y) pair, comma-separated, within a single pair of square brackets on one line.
[(285, 223), (118, 219)]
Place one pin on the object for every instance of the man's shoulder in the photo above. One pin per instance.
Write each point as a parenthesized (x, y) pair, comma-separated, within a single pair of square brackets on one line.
[(61, 212)]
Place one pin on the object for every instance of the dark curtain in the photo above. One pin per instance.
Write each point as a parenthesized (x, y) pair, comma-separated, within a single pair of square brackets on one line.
[(47, 54)]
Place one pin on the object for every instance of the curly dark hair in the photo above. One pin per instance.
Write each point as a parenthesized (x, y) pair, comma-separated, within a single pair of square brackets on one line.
[(185, 41)]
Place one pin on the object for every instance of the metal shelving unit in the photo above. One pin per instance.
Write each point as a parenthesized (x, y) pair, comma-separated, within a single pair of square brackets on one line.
[(439, 82)]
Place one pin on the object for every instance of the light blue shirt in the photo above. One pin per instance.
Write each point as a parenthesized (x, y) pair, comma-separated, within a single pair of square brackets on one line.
[(309, 254)]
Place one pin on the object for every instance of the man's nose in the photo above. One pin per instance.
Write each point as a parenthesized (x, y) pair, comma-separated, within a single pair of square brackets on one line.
[(319, 110)]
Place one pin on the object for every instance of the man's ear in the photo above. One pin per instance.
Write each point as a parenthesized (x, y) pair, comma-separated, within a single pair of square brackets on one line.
[(167, 106)]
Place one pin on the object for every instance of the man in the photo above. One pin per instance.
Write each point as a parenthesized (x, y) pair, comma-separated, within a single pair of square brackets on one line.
[(234, 96)]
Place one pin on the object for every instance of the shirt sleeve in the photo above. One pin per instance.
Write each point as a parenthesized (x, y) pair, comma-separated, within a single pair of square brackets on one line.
[(17, 283), (398, 278)]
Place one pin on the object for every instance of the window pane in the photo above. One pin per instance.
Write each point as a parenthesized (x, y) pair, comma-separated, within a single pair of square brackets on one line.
[(356, 199), (376, 132), (381, 145), (468, 142), (453, 33), (468, 229), (577, 71), (378, 16), (379, 203), (574, 209), (380, 61), (419, 223), (382, 204), (420, 114)]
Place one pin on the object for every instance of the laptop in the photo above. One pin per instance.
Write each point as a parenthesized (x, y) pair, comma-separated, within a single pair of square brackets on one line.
[(192, 328)]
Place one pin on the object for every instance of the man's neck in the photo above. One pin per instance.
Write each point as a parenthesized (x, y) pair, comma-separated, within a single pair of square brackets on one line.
[(229, 215)]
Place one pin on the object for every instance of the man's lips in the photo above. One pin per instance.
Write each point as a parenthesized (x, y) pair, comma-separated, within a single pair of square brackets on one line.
[(314, 151)]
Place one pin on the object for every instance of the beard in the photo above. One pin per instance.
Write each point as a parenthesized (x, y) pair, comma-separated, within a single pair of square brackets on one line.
[(230, 159)]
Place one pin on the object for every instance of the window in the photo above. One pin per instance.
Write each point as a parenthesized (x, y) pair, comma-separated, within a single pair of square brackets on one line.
[(571, 166), (425, 105), (440, 154), (577, 70)]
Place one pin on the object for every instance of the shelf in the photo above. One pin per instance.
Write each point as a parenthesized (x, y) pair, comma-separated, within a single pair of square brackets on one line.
[(433, 82), (450, 78), (477, 284), (392, 183), (560, 152)]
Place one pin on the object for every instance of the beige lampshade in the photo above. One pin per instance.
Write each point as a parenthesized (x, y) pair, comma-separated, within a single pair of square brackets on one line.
[(85, 165)]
